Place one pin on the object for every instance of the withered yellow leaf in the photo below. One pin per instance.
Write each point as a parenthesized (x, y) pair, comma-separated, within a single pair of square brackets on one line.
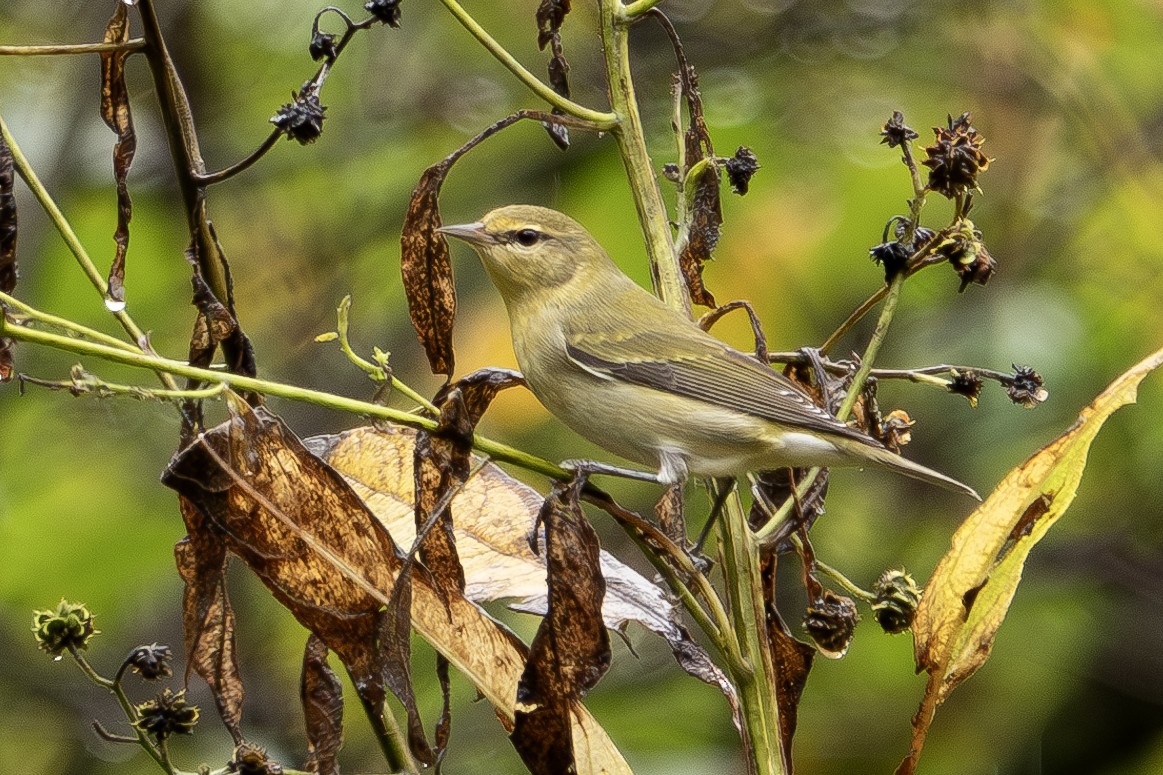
[(970, 592)]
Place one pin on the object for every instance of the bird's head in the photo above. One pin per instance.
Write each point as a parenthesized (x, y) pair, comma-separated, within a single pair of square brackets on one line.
[(526, 249)]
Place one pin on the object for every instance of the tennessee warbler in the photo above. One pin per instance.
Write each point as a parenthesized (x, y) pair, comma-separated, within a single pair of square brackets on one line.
[(639, 379)]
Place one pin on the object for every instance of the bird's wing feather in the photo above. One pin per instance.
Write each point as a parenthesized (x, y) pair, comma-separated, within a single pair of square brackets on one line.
[(705, 369)]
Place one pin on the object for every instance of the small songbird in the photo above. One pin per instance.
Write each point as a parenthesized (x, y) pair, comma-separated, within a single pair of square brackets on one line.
[(641, 380)]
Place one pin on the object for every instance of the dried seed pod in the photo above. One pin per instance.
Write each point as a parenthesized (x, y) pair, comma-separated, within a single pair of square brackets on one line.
[(387, 11), (740, 168), (302, 119), (895, 133), (167, 714), (1027, 389), (151, 662), (896, 429), (830, 621), (966, 384), (955, 159), (897, 598), (68, 626)]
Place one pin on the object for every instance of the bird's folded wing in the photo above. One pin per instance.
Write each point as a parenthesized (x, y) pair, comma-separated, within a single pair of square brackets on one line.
[(708, 371)]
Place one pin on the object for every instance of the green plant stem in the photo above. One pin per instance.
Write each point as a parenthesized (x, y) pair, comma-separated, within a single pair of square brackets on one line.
[(377, 373), (390, 738), (65, 324), (850, 587), (114, 687), (687, 581), (756, 686), (29, 176), (635, 9), (140, 360), (135, 44), (185, 154), (892, 296), (668, 281), (603, 121), (87, 383), (870, 352)]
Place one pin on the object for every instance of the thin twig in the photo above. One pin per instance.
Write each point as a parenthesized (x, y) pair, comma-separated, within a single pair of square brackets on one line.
[(210, 178), (65, 229), (498, 451), (604, 121), (134, 44)]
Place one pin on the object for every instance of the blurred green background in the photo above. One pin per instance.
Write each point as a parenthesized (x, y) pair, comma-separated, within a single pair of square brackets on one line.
[(1069, 94)]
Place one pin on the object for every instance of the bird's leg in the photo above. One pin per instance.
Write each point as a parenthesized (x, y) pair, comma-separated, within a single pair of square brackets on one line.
[(817, 364), (724, 488), (588, 467)]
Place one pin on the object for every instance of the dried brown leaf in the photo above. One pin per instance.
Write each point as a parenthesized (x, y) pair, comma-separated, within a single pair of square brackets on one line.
[(394, 639), (322, 696), (427, 269), (325, 557), (8, 272), (559, 81), (697, 138), (115, 111), (700, 231), (571, 650), (791, 658), (550, 16), (8, 230), (969, 594), (207, 616), (671, 514), (494, 513)]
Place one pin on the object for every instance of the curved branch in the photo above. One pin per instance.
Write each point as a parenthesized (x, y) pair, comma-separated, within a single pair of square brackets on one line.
[(134, 44), (602, 121)]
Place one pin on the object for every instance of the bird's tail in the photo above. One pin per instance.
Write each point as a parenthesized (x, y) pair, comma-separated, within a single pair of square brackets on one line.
[(895, 462)]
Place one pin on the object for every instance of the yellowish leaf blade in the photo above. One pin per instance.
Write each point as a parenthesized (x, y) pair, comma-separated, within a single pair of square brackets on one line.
[(970, 592)]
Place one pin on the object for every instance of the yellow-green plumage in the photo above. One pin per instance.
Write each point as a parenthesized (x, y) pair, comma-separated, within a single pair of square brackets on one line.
[(635, 377)]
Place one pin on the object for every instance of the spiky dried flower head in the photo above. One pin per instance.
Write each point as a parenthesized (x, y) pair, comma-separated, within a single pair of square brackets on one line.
[(69, 626), (955, 158)]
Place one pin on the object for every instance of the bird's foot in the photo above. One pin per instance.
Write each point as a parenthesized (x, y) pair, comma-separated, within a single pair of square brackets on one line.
[(588, 467)]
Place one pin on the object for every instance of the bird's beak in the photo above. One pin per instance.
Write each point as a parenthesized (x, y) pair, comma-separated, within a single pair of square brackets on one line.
[(472, 233)]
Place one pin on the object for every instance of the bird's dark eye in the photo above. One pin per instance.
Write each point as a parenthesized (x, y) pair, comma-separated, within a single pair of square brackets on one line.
[(527, 237)]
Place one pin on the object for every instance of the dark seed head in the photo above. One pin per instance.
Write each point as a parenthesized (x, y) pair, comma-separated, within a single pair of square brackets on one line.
[(302, 119), (894, 133), (1027, 389), (897, 598), (387, 11), (68, 626), (740, 168), (830, 621)]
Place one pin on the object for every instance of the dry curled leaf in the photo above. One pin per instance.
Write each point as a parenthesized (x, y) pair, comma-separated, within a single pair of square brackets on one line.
[(550, 16), (7, 219), (427, 269), (970, 592), (321, 694), (671, 515), (7, 246), (571, 650), (791, 658), (116, 113), (324, 556), (207, 616), (700, 230), (494, 513)]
